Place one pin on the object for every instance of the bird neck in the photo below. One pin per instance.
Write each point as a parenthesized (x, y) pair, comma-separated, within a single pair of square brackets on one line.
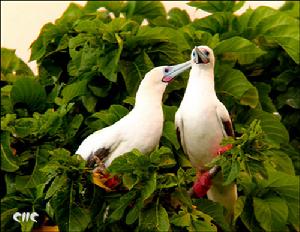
[(201, 81), (149, 97)]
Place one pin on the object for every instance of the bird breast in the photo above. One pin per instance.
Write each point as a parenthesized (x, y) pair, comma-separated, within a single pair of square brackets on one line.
[(202, 133)]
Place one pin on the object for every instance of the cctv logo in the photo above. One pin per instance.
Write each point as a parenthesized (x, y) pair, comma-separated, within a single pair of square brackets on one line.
[(25, 216)]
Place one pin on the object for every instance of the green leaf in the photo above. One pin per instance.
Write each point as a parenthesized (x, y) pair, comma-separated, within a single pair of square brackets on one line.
[(154, 219), (264, 98), (70, 217), (12, 66), (182, 219), (37, 177), (149, 187), (233, 173), (287, 186), (213, 209), (129, 180), (216, 23), (123, 203), (233, 82), (277, 27), (73, 90), (139, 10), (238, 49), (275, 132), (56, 185), (29, 92), (133, 214), (108, 65), (169, 133), (178, 17), (239, 207), (290, 97), (134, 72), (8, 161), (291, 8), (217, 6), (271, 212)]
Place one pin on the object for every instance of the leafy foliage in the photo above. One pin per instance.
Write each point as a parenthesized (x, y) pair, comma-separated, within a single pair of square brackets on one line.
[(91, 61)]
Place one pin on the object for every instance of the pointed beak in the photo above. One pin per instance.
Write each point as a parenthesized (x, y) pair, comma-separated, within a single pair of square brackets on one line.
[(176, 70), (200, 57)]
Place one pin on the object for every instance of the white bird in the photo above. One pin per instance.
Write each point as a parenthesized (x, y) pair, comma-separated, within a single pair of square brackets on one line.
[(202, 121), (141, 128)]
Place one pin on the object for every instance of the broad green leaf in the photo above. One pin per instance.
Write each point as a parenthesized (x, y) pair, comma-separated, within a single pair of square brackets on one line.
[(291, 8), (138, 10), (37, 177), (233, 82), (134, 213), (290, 97), (287, 186), (134, 72), (216, 23), (29, 92), (112, 6), (271, 212), (213, 209), (12, 66), (274, 130), (163, 157), (56, 185), (73, 90), (280, 160), (7, 224), (182, 219), (217, 6), (154, 219), (239, 207), (277, 27), (169, 133), (264, 98), (178, 17), (108, 64), (70, 217), (124, 202), (149, 36), (233, 173), (8, 161), (149, 187), (129, 180), (238, 49)]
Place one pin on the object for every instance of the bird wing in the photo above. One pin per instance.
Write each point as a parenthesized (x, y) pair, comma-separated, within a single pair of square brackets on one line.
[(98, 146), (224, 120), (179, 130)]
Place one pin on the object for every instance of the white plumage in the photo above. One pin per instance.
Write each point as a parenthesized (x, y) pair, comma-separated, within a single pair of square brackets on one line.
[(201, 122), (142, 127)]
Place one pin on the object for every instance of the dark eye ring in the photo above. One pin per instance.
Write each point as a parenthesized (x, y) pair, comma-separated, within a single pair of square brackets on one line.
[(206, 53), (194, 54), (166, 70)]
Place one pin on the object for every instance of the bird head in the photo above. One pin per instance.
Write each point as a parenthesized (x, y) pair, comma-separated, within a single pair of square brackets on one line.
[(203, 55), (162, 75)]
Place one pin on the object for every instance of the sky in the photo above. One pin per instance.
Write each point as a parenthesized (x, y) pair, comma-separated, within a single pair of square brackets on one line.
[(21, 21)]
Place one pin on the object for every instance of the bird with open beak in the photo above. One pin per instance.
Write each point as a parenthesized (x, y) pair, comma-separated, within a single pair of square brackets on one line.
[(141, 128), (202, 121)]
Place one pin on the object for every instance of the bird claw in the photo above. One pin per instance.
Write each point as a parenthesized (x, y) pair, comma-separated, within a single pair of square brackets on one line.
[(101, 177)]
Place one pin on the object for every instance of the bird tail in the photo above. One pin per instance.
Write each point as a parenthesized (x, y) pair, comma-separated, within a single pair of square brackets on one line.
[(226, 195)]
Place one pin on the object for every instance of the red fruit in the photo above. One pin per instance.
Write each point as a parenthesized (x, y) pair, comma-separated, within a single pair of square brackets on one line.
[(202, 185)]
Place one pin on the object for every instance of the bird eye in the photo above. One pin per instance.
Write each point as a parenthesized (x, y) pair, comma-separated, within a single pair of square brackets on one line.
[(193, 53), (206, 53), (166, 70)]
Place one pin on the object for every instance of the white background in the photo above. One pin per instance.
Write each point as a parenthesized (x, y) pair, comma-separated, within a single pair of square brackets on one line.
[(21, 21)]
